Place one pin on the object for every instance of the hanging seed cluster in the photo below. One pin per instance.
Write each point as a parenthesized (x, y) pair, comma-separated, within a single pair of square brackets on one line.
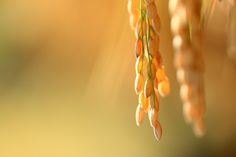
[(187, 43), (151, 79)]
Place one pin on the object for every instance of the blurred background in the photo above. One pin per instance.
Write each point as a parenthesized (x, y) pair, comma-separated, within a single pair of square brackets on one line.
[(66, 84)]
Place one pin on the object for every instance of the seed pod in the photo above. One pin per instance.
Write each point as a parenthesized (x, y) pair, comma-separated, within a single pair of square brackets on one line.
[(180, 43), (143, 101), (173, 5), (198, 111), (150, 1), (161, 74), (139, 81), (186, 92), (159, 59), (177, 42), (139, 65), (155, 62), (152, 71), (199, 127), (138, 48), (139, 31), (149, 113), (155, 54), (164, 87), (156, 83), (157, 132), (177, 26), (188, 76), (148, 88), (133, 20), (152, 10), (139, 116), (132, 6), (156, 24), (154, 43), (180, 75), (197, 97), (182, 13), (184, 59), (153, 117), (154, 100), (187, 112), (192, 111), (133, 10), (153, 16)]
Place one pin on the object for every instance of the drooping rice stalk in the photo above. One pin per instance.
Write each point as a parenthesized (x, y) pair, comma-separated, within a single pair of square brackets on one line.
[(187, 42), (151, 79)]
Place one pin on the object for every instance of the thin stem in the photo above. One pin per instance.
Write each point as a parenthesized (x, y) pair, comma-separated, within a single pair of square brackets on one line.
[(141, 27), (147, 37)]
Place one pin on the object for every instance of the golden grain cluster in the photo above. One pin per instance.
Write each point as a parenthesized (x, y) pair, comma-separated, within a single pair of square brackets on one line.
[(187, 43), (151, 79)]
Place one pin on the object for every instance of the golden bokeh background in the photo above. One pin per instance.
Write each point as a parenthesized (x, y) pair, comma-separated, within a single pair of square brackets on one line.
[(66, 84)]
